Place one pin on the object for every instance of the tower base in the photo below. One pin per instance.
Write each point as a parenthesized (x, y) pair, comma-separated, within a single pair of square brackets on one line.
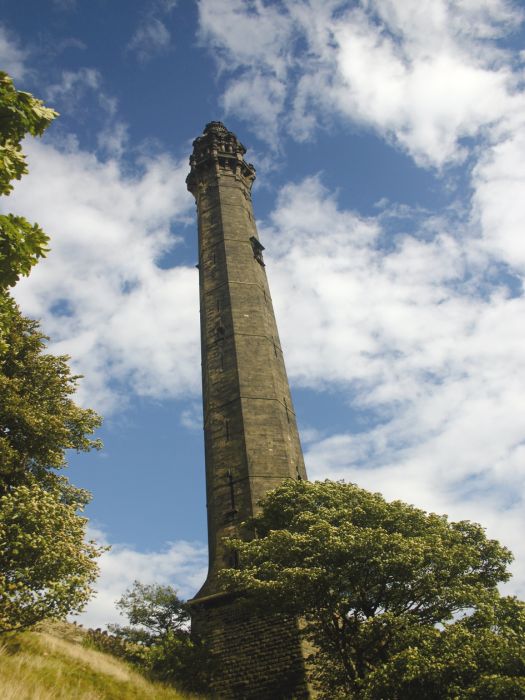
[(255, 656)]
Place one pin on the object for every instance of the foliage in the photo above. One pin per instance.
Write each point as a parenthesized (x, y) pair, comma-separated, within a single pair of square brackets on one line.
[(154, 612), (47, 567), (480, 656), (21, 243), (108, 643), (158, 639), (20, 114), (377, 585), (38, 418)]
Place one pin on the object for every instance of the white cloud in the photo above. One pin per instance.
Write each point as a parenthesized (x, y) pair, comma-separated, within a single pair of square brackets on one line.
[(100, 293), (426, 101), (80, 93), (422, 331), (253, 34), (73, 87), (191, 418), (151, 37), (424, 74), (422, 336), (180, 564), (12, 57), (499, 181), (257, 100), (113, 139)]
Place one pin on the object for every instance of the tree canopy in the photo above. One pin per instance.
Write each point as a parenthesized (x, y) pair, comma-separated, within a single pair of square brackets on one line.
[(21, 114), (386, 592), (21, 243), (46, 566), (154, 612), (157, 638), (39, 419)]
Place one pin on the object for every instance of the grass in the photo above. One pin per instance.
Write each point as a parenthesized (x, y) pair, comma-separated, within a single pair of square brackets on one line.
[(53, 663)]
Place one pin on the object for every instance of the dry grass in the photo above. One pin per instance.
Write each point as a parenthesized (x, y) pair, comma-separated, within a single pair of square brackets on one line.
[(52, 664)]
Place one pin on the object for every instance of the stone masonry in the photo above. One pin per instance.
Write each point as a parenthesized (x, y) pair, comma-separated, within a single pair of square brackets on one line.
[(250, 431)]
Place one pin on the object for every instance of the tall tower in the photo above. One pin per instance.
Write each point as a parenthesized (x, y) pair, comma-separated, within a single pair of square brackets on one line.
[(250, 431)]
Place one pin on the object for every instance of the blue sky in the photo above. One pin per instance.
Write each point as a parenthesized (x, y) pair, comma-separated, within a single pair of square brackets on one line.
[(389, 144)]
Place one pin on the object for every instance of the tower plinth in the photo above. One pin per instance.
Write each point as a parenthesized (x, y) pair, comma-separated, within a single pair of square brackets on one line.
[(250, 430)]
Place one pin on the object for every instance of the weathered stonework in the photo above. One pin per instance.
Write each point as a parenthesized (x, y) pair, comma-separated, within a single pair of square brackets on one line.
[(250, 431), (258, 656)]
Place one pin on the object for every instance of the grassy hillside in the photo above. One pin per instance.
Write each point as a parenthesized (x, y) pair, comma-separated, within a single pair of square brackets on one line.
[(53, 663)]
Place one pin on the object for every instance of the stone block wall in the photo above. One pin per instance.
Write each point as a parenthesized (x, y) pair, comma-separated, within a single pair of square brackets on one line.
[(256, 656)]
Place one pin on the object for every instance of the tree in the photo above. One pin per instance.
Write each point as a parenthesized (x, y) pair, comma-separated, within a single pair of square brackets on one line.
[(481, 656), (154, 612), (158, 639), (21, 243), (377, 585), (38, 418), (46, 567)]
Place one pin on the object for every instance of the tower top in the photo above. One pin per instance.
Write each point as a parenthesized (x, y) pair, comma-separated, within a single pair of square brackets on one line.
[(216, 152)]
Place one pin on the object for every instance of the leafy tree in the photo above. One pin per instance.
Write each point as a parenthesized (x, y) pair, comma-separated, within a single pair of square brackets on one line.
[(21, 243), (38, 418), (378, 586), (154, 612), (46, 567), (480, 656), (20, 114), (158, 639)]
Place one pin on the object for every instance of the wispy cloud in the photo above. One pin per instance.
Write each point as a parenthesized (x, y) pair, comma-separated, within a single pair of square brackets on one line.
[(13, 58), (191, 418), (422, 74), (73, 86), (152, 36), (424, 336), (422, 330), (127, 322), (180, 564)]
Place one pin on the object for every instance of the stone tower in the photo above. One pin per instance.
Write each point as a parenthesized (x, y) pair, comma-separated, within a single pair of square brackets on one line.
[(250, 431)]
